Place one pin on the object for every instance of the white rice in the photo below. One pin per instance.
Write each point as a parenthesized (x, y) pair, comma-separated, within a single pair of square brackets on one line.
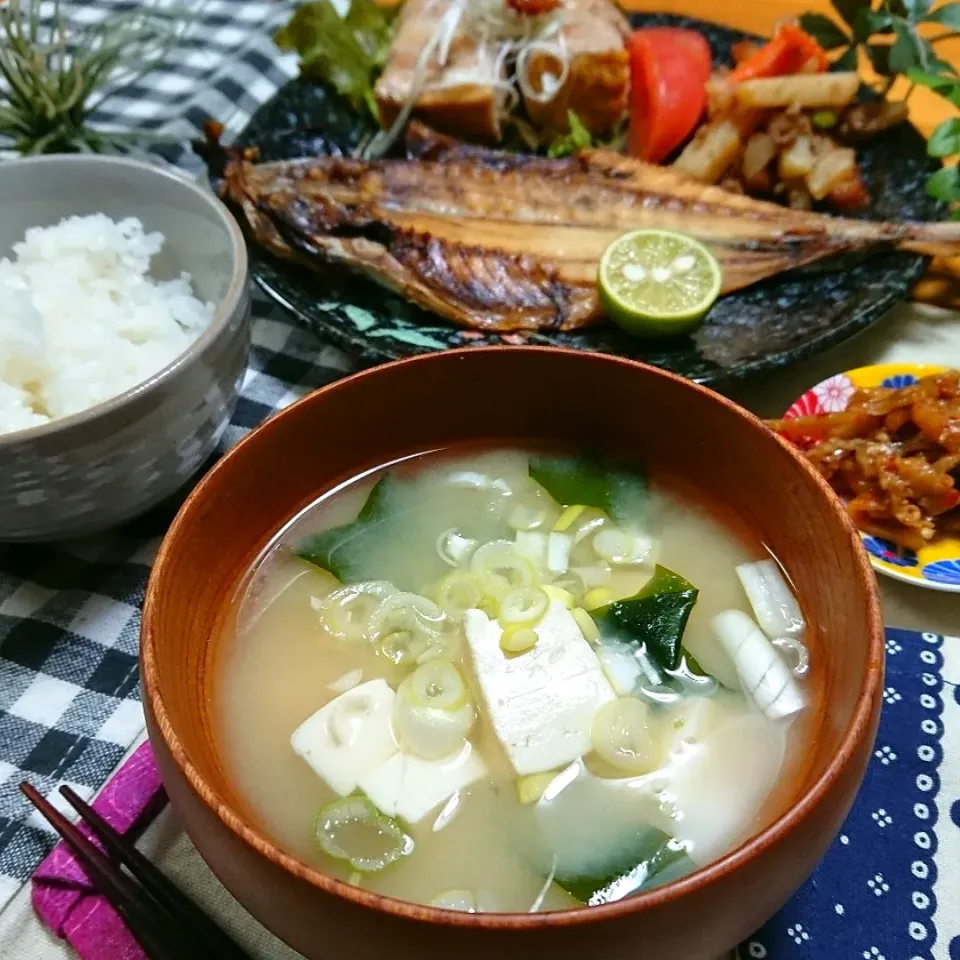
[(82, 321)]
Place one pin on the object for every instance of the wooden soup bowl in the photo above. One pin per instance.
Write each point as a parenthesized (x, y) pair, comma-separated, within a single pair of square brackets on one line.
[(523, 395)]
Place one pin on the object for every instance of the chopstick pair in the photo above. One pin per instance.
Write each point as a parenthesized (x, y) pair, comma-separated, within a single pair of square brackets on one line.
[(163, 920)]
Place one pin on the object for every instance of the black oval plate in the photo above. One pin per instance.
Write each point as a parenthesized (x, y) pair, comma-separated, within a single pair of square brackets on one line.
[(772, 324)]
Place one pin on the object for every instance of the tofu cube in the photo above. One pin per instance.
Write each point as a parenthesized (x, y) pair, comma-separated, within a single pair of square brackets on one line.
[(410, 787), (349, 737), (540, 703)]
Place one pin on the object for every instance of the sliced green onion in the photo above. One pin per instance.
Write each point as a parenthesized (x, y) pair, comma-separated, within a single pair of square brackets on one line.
[(588, 626), (622, 734), (453, 548), (532, 787), (345, 612), (500, 567), (621, 548), (568, 518), (558, 593), (589, 521), (432, 714), (522, 606), (518, 639), (403, 647), (405, 625), (559, 546), (438, 684), (597, 598), (458, 592), (771, 598), (354, 830)]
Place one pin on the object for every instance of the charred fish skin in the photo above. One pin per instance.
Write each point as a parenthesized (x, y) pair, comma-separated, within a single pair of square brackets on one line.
[(472, 286), (504, 242)]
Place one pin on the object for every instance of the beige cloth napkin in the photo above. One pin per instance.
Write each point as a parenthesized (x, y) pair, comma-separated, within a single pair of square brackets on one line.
[(912, 333)]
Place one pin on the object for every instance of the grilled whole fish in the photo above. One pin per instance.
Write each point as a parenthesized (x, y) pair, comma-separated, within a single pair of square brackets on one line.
[(498, 241)]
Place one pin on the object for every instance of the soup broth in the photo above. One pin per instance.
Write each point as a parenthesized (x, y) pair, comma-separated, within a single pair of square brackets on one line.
[(496, 681)]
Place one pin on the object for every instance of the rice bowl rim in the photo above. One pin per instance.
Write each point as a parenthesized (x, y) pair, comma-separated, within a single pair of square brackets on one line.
[(224, 309)]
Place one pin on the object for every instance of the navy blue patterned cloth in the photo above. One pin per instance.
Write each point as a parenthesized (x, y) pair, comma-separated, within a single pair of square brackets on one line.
[(889, 888)]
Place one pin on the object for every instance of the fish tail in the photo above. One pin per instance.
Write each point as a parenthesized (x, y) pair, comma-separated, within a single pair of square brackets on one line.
[(932, 239)]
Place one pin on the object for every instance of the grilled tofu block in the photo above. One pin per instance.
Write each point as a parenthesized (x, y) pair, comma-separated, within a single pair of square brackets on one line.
[(597, 86), (463, 97), (459, 98)]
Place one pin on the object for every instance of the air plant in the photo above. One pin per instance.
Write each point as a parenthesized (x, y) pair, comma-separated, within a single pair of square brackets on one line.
[(53, 79)]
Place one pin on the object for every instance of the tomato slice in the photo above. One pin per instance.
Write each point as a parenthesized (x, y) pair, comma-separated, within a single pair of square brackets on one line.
[(669, 69)]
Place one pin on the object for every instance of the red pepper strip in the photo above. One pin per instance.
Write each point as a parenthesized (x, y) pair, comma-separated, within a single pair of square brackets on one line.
[(788, 52), (812, 54)]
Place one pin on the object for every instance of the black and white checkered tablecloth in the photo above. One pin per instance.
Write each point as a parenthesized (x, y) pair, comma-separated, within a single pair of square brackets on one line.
[(70, 614)]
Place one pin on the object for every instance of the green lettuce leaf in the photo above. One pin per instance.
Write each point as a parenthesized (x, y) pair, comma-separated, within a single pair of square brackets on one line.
[(578, 138), (345, 52)]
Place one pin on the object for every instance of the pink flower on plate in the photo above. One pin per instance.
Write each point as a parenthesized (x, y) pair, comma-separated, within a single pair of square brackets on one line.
[(807, 406), (834, 394)]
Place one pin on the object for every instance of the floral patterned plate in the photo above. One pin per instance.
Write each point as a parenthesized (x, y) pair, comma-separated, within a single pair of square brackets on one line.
[(936, 566)]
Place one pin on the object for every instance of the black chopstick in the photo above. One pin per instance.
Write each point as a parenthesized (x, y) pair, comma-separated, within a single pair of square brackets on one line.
[(180, 907), (148, 927), (166, 924)]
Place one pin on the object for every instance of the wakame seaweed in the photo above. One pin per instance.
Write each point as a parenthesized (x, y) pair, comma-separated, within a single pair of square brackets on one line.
[(621, 494), (650, 857), (341, 549), (656, 616)]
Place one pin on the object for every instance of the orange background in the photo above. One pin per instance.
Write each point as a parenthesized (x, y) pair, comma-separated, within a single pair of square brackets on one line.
[(942, 284)]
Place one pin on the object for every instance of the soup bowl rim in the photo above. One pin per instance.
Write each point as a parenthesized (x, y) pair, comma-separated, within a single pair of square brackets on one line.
[(798, 811)]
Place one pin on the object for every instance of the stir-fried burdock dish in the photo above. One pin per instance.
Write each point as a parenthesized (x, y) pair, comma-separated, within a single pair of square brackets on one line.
[(895, 456)]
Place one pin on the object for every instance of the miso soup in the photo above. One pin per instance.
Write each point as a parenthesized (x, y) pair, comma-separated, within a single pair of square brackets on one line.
[(492, 680)]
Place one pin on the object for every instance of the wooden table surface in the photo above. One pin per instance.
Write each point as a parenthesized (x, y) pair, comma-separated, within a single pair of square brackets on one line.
[(942, 285)]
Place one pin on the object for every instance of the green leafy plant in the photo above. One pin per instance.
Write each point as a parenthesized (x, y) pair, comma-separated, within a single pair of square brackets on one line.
[(888, 34), (944, 142), (345, 52), (52, 79)]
